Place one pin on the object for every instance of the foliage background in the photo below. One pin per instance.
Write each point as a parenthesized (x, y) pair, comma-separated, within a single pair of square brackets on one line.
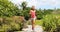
[(50, 18)]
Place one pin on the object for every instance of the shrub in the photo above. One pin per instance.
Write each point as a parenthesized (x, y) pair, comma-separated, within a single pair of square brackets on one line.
[(10, 24), (50, 22)]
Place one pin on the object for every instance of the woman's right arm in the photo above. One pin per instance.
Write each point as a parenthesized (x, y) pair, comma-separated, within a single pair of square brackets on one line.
[(30, 12)]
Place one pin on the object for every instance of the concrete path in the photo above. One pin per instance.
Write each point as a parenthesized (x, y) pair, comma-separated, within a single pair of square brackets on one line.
[(37, 29)]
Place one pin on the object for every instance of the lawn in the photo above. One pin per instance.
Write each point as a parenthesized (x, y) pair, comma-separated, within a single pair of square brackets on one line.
[(39, 22)]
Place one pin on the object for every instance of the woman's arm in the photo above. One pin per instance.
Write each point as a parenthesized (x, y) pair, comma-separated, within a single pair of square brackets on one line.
[(35, 13), (30, 12)]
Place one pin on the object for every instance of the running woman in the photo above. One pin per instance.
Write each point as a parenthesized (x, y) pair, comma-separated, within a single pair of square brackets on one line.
[(33, 16)]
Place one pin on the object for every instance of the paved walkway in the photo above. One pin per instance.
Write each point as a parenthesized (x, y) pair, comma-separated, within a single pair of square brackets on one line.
[(37, 29)]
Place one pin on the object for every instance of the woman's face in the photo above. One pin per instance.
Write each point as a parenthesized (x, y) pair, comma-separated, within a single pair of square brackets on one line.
[(33, 7)]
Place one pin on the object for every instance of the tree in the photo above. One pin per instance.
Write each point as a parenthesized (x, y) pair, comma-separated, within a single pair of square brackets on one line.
[(39, 14), (8, 8), (23, 5)]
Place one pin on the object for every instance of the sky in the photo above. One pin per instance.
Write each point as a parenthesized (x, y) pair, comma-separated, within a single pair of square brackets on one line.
[(43, 4)]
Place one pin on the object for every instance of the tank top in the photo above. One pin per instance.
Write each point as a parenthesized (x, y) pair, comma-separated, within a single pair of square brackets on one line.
[(33, 14)]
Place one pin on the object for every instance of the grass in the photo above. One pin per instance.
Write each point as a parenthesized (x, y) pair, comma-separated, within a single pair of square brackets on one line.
[(39, 22)]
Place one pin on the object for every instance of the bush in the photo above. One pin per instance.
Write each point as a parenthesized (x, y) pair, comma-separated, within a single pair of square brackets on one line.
[(51, 22), (10, 24)]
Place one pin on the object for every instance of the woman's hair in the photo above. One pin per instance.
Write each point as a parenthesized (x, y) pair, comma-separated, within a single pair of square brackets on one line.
[(33, 8)]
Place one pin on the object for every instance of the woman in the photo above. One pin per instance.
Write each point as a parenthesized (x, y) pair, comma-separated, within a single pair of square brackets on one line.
[(33, 16)]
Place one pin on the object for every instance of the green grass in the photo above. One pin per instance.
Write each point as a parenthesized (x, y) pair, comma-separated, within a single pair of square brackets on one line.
[(39, 22)]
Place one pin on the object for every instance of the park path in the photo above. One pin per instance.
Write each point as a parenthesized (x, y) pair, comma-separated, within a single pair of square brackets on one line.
[(37, 29)]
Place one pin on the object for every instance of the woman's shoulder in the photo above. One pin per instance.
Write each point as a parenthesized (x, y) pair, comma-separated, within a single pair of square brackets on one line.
[(31, 10)]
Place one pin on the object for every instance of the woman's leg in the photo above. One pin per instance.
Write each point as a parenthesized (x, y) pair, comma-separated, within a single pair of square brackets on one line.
[(33, 24)]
